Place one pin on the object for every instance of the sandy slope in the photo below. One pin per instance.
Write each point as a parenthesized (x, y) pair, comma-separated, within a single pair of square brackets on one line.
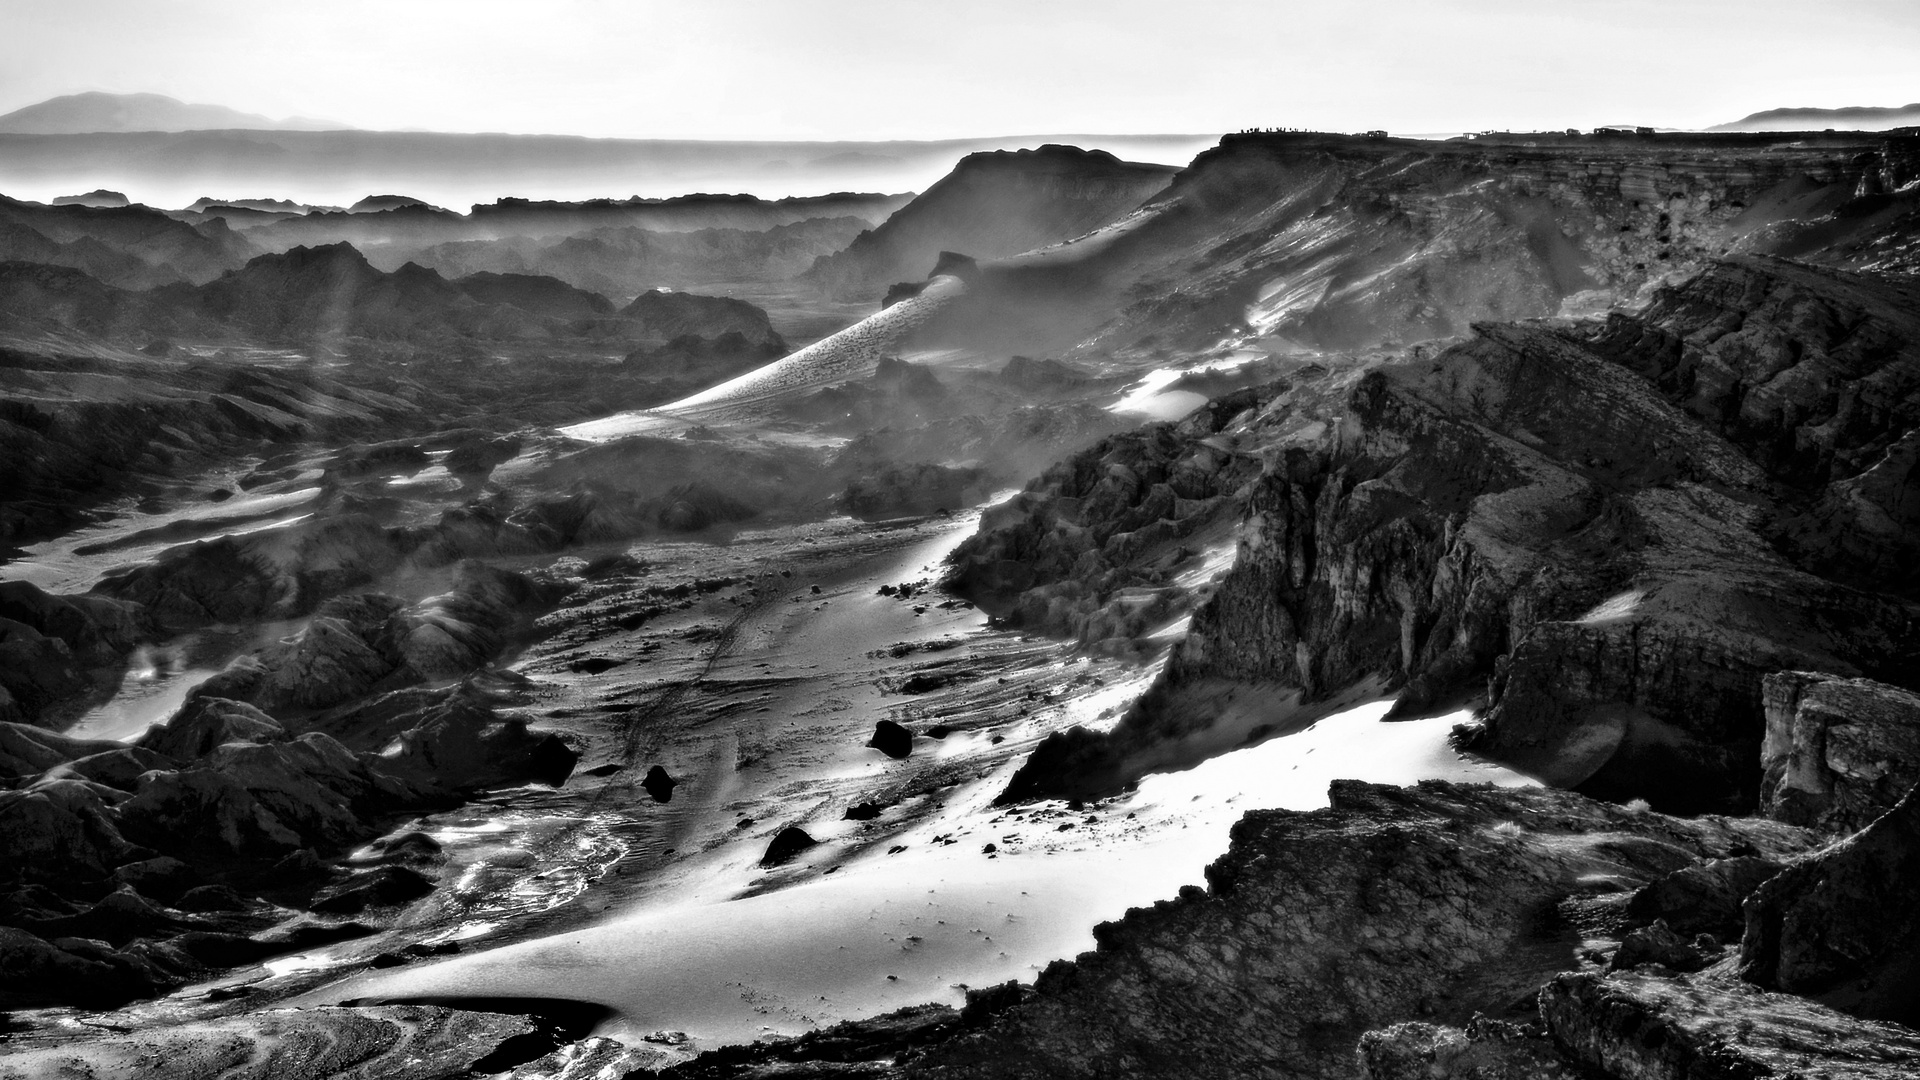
[(889, 930), (849, 354)]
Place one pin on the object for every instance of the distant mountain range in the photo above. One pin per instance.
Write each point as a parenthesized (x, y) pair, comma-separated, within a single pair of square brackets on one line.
[(161, 152), (1854, 118), (80, 114)]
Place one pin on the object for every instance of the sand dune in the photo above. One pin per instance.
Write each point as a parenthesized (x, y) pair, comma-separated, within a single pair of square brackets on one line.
[(754, 397)]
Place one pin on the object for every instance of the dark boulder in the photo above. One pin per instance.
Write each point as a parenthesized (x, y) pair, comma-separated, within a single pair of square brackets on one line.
[(659, 785), (891, 739), (787, 843)]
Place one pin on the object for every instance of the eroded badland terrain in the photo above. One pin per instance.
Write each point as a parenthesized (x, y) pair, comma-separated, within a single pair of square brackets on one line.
[(1349, 607)]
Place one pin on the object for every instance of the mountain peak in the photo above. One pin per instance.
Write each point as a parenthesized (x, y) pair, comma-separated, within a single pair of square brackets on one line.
[(1851, 118), (96, 111)]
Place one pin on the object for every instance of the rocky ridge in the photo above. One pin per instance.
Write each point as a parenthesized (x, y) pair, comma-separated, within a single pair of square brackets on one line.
[(1300, 240), (1538, 514), (992, 205)]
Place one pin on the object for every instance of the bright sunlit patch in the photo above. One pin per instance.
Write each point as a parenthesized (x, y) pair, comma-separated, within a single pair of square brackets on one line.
[(897, 928), (1614, 607)]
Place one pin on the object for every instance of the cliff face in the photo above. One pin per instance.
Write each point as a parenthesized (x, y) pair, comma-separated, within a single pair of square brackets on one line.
[(992, 205), (1599, 543)]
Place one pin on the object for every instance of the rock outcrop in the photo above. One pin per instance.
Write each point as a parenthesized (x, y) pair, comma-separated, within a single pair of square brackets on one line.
[(1482, 1050), (1843, 925), (992, 205), (1651, 1027), (659, 316), (1838, 752), (1706, 898), (1091, 548)]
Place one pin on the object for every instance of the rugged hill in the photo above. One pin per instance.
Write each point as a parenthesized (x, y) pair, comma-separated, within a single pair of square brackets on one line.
[(329, 296), (992, 205), (173, 250), (20, 243), (415, 226), (536, 294), (665, 316), (96, 197), (627, 260), (1289, 240), (75, 114)]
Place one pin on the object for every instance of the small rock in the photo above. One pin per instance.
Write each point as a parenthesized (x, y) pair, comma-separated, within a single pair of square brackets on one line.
[(659, 785), (891, 739), (787, 843)]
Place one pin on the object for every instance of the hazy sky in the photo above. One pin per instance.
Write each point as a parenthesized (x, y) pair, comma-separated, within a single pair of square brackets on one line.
[(826, 69)]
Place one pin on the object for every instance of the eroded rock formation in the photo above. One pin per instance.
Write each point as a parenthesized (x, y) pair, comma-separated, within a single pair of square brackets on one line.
[(1538, 514), (1838, 752)]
